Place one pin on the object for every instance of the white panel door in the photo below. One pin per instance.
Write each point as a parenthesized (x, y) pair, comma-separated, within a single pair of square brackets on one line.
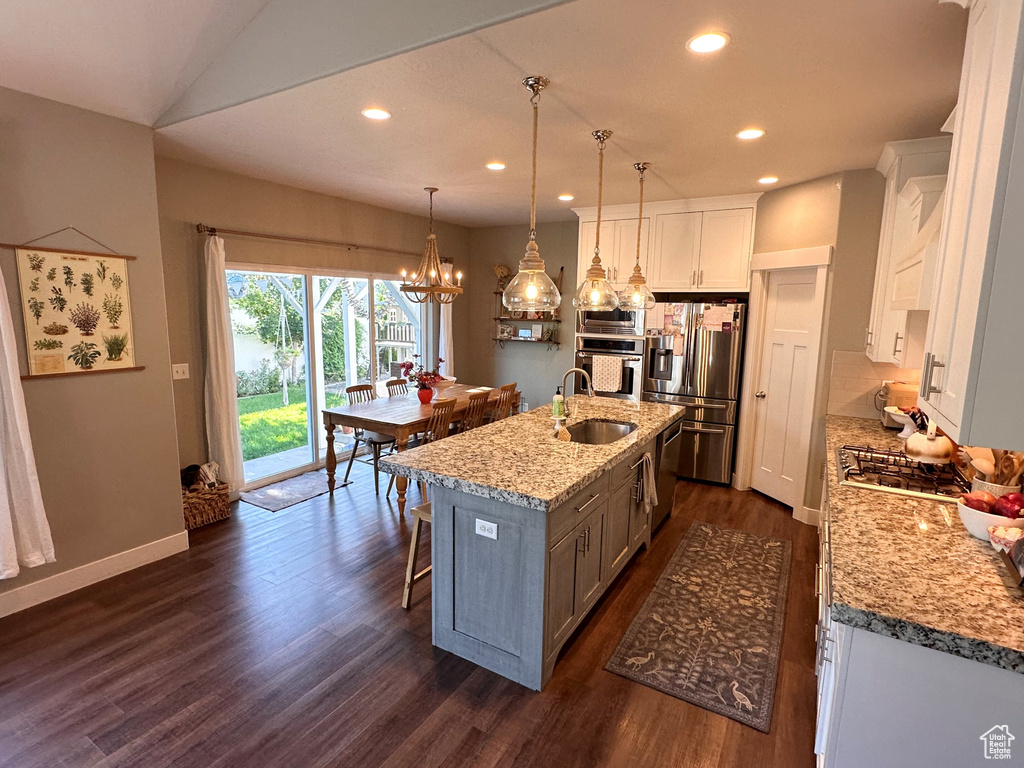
[(787, 375), (725, 242), (676, 252), (622, 254)]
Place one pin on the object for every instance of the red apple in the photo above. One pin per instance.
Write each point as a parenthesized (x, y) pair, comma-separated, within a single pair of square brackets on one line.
[(1016, 498), (1007, 508), (985, 496), (974, 502)]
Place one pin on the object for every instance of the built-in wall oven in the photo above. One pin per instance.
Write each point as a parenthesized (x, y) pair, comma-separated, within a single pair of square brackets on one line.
[(629, 351), (615, 322)]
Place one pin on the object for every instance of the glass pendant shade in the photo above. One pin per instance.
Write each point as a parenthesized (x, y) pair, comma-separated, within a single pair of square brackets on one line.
[(595, 292), (637, 295), (531, 290)]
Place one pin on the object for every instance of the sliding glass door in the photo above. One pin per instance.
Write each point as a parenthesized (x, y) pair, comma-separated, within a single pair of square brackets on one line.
[(301, 339), (269, 323)]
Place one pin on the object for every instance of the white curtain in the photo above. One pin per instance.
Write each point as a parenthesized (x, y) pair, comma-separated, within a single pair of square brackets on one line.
[(24, 532), (222, 434), (445, 344)]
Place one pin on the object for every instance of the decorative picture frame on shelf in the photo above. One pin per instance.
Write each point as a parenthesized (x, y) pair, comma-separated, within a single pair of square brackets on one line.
[(537, 330), (76, 310), (525, 333), (506, 332)]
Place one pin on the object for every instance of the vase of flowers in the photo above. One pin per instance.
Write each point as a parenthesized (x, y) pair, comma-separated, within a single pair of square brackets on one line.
[(424, 379)]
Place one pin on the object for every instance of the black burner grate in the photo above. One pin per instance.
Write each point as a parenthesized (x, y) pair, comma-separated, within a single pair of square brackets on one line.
[(893, 470)]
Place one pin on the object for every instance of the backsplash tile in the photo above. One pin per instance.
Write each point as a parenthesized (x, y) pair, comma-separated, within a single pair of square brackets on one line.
[(854, 381)]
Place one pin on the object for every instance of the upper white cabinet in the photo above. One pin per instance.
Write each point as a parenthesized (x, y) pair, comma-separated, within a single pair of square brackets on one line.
[(971, 380), (697, 245), (892, 335), (913, 275)]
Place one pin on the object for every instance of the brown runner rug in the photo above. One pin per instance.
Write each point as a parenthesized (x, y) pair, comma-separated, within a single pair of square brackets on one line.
[(278, 496), (710, 632)]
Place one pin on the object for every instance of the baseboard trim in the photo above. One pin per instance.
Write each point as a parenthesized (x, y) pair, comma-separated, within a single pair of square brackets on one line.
[(37, 592), (806, 515)]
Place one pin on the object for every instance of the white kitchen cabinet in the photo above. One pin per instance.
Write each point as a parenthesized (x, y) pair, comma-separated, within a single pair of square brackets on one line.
[(892, 336), (676, 253), (695, 245), (913, 275), (970, 382), (618, 249), (725, 245)]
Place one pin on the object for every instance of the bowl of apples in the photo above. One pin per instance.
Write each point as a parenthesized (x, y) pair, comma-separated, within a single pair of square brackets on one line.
[(980, 509)]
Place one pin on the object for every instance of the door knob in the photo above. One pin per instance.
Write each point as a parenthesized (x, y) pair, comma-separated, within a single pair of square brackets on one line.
[(760, 395)]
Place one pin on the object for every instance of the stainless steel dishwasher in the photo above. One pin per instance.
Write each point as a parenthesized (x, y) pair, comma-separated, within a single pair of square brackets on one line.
[(666, 463)]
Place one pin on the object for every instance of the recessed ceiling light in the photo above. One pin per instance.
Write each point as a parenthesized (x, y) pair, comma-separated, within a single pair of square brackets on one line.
[(708, 43), (767, 179), (495, 166), (565, 198), (750, 133), (376, 114)]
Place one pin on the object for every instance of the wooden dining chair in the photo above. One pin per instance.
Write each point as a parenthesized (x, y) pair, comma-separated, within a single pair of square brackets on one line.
[(475, 411), (506, 396), (364, 393), (397, 387), (437, 429)]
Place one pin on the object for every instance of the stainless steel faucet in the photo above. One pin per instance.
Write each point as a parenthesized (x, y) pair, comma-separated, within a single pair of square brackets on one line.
[(586, 378)]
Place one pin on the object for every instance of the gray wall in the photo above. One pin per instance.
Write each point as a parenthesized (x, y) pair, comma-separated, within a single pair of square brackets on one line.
[(843, 210), (104, 443), (190, 194), (537, 369)]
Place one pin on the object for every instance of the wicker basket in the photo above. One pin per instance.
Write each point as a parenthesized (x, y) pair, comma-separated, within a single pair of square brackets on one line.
[(205, 505)]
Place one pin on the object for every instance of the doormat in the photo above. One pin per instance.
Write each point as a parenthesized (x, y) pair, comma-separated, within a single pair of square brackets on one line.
[(278, 496), (710, 632)]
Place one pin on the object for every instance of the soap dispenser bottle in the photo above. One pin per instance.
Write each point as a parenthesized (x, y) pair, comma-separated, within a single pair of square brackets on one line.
[(558, 404)]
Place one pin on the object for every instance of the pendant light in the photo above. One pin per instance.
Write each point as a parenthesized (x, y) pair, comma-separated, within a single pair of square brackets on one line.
[(531, 289), (637, 295), (595, 292), (433, 280)]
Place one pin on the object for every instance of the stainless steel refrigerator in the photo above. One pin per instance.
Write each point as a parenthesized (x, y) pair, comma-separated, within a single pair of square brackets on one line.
[(698, 366)]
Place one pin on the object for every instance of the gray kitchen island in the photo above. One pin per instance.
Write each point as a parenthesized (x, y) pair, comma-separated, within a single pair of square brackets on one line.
[(529, 531)]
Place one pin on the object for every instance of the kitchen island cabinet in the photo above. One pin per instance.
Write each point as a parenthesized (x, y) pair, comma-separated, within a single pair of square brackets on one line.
[(528, 532)]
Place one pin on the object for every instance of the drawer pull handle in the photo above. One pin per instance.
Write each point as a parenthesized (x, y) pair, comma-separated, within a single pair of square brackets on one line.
[(588, 502), (703, 431)]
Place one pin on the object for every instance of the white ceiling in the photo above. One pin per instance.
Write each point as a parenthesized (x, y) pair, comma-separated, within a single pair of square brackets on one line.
[(831, 83)]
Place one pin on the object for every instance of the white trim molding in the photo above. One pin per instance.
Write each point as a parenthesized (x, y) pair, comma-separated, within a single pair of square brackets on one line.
[(36, 592), (798, 258)]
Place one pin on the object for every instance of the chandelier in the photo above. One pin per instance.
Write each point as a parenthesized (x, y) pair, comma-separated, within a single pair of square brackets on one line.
[(433, 280)]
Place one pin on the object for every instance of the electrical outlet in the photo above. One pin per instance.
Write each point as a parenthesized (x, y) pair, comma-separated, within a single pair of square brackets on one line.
[(484, 528), (179, 371)]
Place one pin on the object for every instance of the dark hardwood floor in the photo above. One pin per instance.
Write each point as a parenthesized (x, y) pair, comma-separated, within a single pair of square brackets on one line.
[(278, 640)]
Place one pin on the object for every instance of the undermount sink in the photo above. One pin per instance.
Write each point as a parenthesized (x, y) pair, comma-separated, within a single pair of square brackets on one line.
[(599, 431)]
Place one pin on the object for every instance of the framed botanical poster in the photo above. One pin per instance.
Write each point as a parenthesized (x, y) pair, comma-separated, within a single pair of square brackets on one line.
[(76, 309)]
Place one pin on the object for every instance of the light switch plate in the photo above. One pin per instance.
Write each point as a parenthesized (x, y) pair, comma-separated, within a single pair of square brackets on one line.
[(179, 371), (484, 528)]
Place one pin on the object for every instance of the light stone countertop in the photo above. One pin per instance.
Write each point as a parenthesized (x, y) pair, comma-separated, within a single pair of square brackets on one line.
[(519, 461), (907, 568)]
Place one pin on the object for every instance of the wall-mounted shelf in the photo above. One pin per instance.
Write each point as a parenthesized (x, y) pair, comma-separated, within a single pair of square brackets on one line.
[(550, 344), (528, 320)]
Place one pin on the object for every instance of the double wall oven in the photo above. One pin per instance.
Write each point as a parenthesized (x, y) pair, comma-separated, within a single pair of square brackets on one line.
[(619, 334)]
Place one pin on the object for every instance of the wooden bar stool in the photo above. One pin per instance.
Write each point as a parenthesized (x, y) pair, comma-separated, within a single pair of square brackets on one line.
[(437, 428), (364, 393)]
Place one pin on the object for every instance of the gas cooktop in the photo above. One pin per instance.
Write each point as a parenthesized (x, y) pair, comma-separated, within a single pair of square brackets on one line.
[(895, 472)]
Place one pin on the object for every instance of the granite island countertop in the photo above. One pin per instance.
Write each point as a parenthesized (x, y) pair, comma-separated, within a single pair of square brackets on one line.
[(907, 568), (519, 461)]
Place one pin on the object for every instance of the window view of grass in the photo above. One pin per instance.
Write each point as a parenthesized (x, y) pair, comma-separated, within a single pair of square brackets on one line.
[(269, 427)]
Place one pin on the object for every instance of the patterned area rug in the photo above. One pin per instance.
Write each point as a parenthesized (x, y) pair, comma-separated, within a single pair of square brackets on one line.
[(710, 632), (278, 496)]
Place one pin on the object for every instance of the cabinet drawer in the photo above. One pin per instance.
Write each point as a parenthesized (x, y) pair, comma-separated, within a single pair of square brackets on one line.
[(626, 470), (564, 518)]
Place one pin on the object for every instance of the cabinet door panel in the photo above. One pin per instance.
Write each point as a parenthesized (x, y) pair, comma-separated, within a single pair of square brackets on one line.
[(616, 538), (562, 606), (622, 256), (676, 251), (725, 249), (639, 519), (590, 570)]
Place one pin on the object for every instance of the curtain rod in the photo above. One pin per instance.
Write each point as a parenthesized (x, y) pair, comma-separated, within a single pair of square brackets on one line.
[(203, 229)]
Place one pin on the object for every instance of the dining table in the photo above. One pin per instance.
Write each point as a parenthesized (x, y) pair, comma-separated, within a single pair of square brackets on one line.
[(401, 416)]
